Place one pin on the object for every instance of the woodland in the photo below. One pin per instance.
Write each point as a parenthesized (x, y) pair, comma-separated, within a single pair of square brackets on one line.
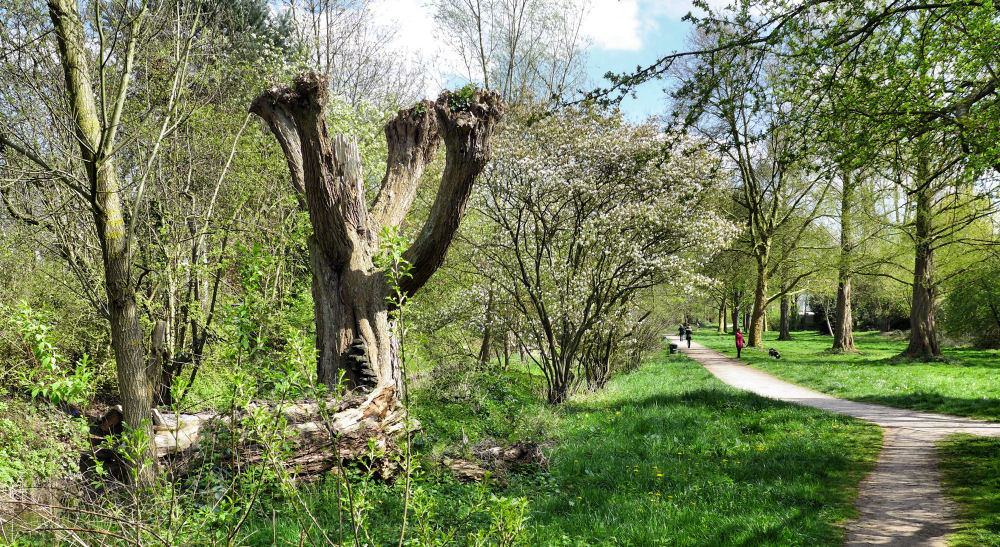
[(258, 288)]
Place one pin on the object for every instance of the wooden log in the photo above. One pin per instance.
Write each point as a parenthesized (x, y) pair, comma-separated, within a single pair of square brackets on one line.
[(312, 425)]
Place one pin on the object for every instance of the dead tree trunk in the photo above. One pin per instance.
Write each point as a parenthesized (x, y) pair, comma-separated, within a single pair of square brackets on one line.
[(353, 333)]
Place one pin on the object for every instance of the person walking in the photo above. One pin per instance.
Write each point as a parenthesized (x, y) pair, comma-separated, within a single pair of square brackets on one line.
[(739, 343), (680, 334), (687, 335)]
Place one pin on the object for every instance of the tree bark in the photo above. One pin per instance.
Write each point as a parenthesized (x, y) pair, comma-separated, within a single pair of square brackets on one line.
[(736, 310), (784, 330), (756, 338), (843, 335), (135, 381), (353, 331), (923, 329), (722, 317), (484, 347)]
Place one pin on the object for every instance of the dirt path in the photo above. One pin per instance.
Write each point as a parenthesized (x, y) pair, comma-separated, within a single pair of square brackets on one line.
[(901, 501)]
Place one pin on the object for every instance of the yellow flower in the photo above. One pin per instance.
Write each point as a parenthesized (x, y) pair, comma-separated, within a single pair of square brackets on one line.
[(579, 497), (659, 474)]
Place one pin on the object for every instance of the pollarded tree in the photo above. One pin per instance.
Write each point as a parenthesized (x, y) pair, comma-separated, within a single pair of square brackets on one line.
[(353, 334), (584, 212)]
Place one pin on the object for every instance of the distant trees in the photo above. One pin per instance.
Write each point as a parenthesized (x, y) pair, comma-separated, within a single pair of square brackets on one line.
[(972, 307), (342, 40), (905, 90), (524, 49), (728, 98)]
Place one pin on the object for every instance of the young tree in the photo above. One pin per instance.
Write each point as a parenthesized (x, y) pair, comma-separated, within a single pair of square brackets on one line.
[(97, 61)]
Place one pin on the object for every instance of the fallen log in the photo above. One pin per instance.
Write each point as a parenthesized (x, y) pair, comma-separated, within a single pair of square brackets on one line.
[(322, 433)]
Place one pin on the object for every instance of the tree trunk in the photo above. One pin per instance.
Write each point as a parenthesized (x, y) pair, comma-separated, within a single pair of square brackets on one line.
[(784, 330), (843, 335), (722, 317), (736, 310), (756, 339), (826, 316), (923, 330), (484, 347), (353, 331), (135, 381)]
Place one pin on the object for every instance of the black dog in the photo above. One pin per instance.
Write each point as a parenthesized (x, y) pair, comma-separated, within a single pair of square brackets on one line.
[(774, 353)]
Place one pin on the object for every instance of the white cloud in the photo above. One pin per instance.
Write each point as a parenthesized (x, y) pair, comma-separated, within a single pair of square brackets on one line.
[(614, 24)]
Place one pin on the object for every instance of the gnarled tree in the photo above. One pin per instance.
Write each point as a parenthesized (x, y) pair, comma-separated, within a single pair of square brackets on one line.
[(353, 334)]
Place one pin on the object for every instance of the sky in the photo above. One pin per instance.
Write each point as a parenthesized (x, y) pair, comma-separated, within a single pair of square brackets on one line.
[(624, 34)]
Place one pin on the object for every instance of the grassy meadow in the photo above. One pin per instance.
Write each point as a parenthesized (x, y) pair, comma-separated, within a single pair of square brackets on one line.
[(964, 383), (666, 455)]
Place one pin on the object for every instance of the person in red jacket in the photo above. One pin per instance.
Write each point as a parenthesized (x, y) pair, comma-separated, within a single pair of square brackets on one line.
[(739, 343)]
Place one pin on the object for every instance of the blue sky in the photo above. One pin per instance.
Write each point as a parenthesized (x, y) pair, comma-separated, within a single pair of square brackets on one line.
[(620, 45)]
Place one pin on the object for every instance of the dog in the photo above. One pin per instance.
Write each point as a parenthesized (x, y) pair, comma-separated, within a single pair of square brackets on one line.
[(774, 353)]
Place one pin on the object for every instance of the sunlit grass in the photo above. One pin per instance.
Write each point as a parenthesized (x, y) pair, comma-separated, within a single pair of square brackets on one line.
[(971, 469)]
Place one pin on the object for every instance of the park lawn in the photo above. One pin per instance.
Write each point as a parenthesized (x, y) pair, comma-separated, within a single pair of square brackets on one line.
[(965, 383), (971, 476), (666, 455)]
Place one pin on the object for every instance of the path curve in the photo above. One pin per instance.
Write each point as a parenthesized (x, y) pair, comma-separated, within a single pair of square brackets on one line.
[(901, 501)]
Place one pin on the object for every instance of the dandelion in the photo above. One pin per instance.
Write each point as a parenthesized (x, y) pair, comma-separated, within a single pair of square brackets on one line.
[(659, 474)]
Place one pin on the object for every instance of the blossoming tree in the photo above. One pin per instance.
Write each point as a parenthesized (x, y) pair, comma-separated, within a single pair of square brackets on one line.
[(584, 212)]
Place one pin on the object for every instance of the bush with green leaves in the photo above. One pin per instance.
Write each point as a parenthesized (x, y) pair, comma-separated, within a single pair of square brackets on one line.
[(49, 375)]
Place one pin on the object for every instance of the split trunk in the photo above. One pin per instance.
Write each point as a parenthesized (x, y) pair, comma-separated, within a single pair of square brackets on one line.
[(354, 337)]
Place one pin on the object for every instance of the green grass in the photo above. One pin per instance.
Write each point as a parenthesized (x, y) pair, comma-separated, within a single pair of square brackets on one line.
[(971, 469), (666, 455), (965, 384)]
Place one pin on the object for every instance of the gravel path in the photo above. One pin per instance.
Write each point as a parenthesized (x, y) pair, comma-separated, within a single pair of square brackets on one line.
[(901, 501)]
